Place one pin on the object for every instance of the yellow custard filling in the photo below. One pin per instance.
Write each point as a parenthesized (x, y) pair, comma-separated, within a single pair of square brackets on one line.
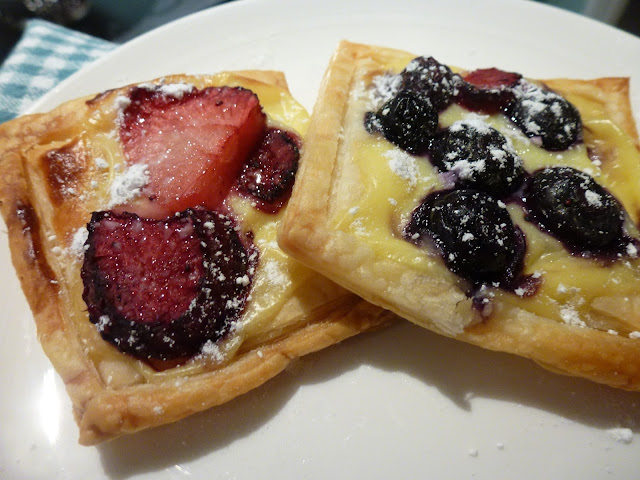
[(578, 291), (283, 290)]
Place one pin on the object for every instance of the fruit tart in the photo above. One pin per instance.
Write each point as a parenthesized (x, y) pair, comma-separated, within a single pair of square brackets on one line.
[(142, 224), (483, 205)]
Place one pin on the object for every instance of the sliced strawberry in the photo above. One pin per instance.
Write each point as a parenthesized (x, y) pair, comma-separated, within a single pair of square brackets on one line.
[(492, 78), (194, 143), (488, 90), (162, 288), (269, 173)]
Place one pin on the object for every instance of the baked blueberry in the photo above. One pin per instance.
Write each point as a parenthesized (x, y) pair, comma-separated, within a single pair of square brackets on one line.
[(431, 78), (474, 233), (543, 114), (574, 207), (479, 156), (408, 120)]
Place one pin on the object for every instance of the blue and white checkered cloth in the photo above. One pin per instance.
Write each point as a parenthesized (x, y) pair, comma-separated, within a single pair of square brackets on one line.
[(45, 55)]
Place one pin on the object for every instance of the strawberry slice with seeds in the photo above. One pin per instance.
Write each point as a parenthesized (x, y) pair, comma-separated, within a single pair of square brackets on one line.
[(161, 289), (193, 142), (491, 78)]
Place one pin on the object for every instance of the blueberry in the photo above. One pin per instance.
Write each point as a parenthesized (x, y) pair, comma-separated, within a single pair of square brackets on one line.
[(431, 78), (572, 206), (408, 120), (542, 113), (480, 156), (474, 233)]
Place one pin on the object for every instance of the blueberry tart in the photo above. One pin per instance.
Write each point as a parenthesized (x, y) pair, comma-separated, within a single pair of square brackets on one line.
[(510, 220)]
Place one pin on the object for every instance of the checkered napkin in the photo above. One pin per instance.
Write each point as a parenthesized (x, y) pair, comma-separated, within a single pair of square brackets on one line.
[(45, 55)]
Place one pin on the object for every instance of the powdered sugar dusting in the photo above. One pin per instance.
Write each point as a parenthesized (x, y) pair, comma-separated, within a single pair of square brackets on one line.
[(457, 161), (384, 89), (465, 169), (128, 184), (212, 350), (403, 164), (101, 163), (535, 100), (177, 90), (473, 121), (274, 274), (120, 103), (78, 247), (103, 322), (571, 317), (359, 227), (593, 198)]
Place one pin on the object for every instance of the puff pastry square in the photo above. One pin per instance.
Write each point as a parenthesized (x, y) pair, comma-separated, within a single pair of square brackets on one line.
[(46, 202), (356, 192)]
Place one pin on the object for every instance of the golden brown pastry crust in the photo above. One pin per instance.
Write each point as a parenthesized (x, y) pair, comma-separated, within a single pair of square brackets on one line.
[(31, 197), (433, 300), (611, 93)]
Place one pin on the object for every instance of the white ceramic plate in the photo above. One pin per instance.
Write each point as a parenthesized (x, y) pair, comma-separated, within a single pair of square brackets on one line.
[(399, 403)]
